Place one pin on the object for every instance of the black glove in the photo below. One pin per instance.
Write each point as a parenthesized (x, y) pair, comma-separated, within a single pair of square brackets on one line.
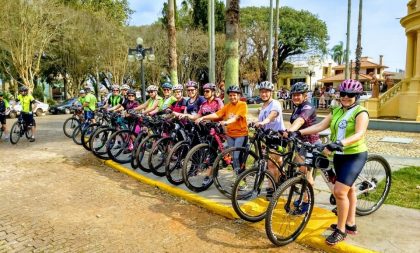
[(335, 146), (295, 134)]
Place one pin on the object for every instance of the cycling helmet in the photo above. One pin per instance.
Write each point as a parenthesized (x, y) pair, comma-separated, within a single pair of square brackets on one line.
[(166, 86), (299, 87), (191, 84), (23, 88), (152, 88), (125, 87), (82, 92), (115, 87), (266, 85), (209, 86), (131, 92), (351, 86), (234, 88), (178, 87)]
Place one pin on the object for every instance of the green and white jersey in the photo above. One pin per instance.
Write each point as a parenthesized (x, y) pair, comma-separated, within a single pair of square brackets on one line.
[(167, 103), (343, 125)]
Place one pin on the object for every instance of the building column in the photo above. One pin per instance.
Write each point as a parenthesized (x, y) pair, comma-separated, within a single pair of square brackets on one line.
[(409, 56), (417, 56)]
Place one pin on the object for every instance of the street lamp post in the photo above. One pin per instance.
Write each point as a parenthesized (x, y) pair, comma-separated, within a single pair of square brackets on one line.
[(140, 53), (310, 74)]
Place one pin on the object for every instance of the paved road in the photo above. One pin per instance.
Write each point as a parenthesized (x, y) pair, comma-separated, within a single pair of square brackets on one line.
[(56, 197)]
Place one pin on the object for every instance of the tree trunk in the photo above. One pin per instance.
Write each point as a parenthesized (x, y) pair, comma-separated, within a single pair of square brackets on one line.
[(276, 43), (359, 41), (172, 42), (232, 43), (346, 71)]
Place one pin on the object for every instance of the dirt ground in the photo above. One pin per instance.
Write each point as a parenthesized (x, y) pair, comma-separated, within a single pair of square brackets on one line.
[(57, 197)]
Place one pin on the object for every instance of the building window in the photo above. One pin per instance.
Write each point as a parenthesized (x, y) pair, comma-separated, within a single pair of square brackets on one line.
[(325, 70), (370, 70)]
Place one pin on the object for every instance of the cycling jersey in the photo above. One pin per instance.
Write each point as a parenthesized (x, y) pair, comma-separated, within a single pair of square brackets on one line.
[(91, 99), (307, 112), (194, 107), (3, 106), (167, 103), (213, 106), (115, 100), (343, 125), (129, 105), (26, 102), (179, 106), (151, 101), (278, 123)]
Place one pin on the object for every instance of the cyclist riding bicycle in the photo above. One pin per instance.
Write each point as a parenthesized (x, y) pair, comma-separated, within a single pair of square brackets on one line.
[(4, 105), (168, 99), (348, 124), (233, 116), (115, 98), (194, 100), (89, 105), (152, 103), (270, 117), (178, 107), (27, 101), (303, 116), (211, 105)]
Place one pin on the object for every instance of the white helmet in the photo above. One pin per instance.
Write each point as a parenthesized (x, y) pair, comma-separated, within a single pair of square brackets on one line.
[(125, 87), (152, 88), (266, 85)]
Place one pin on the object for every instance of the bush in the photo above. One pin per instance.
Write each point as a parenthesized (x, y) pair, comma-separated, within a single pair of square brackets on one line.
[(38, 93), (51, 101)]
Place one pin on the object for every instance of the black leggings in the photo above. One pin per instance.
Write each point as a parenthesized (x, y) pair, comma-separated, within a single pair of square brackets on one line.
[(348, 167)]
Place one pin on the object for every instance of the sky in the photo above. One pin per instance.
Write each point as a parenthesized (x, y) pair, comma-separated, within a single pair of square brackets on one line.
[(382, 33)]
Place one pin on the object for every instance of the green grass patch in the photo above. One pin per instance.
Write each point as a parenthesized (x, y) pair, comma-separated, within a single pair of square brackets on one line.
[(405, 188), (254, 106)]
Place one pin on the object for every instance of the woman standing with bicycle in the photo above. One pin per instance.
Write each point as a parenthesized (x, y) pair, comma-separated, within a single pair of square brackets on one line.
[(348, 124), (270, 117)]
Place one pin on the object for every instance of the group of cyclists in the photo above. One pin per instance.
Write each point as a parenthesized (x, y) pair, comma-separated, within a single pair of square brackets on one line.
[(347, 123)]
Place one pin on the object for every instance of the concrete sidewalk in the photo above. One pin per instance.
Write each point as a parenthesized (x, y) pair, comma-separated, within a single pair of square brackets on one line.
[(390, 229)]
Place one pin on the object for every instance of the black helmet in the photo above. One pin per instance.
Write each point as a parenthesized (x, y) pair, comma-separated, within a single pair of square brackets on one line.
[(131, 92), (234, 88), (23, 88), (299, 87)]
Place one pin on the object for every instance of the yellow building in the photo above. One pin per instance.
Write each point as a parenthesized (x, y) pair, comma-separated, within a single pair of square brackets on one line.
[(403, 99)]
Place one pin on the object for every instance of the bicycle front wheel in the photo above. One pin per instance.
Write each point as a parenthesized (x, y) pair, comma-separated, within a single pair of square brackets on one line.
[(249, 194), (225, 168), (98, 142), (69, 125), (120, 146), (87, 135), (15, 133), (158, 154), (174, 162), (289, 211), (372, 185)]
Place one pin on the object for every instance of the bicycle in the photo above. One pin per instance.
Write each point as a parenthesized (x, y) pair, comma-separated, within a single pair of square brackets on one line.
[(286, 217), (20, 128), (71, 123)]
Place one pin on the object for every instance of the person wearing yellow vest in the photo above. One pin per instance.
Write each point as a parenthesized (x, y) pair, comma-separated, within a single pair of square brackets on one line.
[(4, 107), (152, 103), (27, 101), (89, 105), (348, 124)]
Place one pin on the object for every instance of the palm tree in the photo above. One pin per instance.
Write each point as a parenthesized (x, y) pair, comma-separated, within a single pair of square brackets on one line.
[(172, 42), (232, 43), (337, 53), (359, 41)]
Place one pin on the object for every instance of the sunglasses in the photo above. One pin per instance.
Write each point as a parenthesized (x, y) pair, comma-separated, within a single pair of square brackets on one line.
[(150, 91), (349, 95), (130, 95), (191, 90), (207, 91), (116, 90), (166, 89)]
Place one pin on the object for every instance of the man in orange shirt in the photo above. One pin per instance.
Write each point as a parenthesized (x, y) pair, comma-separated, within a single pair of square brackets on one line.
[(233, 116)]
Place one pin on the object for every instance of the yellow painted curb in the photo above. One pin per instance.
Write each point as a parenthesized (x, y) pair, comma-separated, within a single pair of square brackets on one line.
[(312, 235)]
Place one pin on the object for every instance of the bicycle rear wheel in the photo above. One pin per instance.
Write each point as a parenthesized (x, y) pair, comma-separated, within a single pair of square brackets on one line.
[(98, 142), (143, 152), (15, 133), (224, 174), (249, 194), (158, 156), (120, 146), (287, 216), (372, 185), (87, 134), (69, 125)]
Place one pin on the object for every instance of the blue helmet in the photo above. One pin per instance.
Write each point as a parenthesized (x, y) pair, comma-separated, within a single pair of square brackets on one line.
[(166, 86)]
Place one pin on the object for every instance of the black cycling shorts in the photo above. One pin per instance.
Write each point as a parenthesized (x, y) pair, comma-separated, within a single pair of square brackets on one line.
[(348, 167), (3, 119), (29, 119)]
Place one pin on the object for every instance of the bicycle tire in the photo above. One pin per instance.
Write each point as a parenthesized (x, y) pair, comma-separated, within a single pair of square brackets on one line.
[(224, 175), (142, 152), (15, 133), (98, 142), (121, 152), (251, 205), (158, 155), (174, 162), (137, 142), (87, 134), (28, 132), (190, 173), (76, 135), (69, 125), (382, 179), (277, 216)]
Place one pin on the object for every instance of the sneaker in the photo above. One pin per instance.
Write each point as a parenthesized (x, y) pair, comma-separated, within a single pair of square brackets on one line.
[(206, 181), (269, 195), (32, 139), (300, 209), (352, 230), (336, 237)]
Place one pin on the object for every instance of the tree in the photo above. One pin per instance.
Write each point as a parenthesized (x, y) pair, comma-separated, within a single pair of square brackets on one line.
[(232, 43), (359, 40), (172, 42), (337, 53)]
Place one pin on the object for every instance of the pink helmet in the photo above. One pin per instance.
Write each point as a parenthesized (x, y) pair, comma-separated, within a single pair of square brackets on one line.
[(351, 86), (210, 86), (191, 84)]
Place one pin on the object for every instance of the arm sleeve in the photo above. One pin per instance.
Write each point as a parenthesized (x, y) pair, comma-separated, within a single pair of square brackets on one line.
[(221, 113), (243, 111), (307, 112)]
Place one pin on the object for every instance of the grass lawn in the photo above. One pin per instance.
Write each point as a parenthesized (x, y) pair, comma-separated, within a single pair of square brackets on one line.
[(405, 188), (254, 106)]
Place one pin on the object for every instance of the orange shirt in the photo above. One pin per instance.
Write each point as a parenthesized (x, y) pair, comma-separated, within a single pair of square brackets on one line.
[(238, 128)]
